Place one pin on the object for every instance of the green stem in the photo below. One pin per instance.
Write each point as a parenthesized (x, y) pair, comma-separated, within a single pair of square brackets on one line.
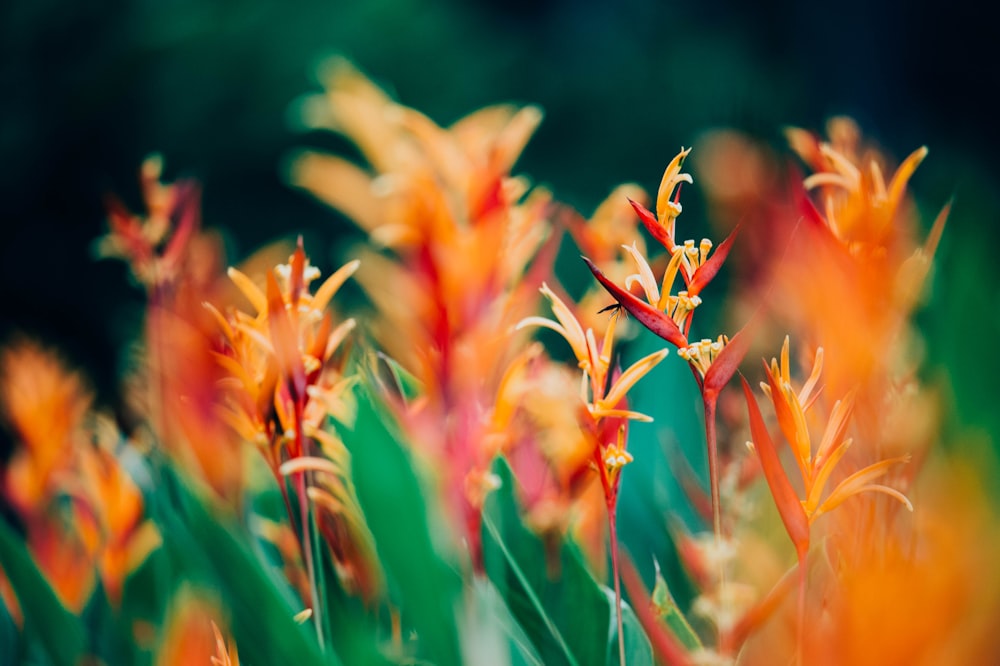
[(301, 485)]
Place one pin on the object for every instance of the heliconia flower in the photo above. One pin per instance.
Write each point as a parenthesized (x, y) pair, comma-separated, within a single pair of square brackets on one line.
[(463, 245), (279, 357), (122, 539), (857, 203), (155, 245), (191, 634), (789, 507), (815, 464), (45, 405), (666, 314), (64, 453), (595, 361)]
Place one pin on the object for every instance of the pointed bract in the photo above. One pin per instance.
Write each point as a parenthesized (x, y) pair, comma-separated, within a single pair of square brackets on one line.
[(789, 507), (656, 321)]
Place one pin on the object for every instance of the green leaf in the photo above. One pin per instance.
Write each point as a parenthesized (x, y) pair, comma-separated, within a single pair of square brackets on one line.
[(207, 550), (46, 621), (490, 632), (638, 651), (353, 631), (391, 498), (565, 614), (668, 611), (403, 381)]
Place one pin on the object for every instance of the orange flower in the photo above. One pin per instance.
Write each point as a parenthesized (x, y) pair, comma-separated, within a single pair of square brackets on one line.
[(667, 315), (155, 246), (280, 361), (459, 231), (46, 405), (816, 464), (119, 535), (595, 361), (859, 206), (858, 250), (191, 634)]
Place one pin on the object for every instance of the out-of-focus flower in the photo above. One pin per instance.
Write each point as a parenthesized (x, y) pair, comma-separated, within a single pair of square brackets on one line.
[(283, 376), (459, 231), (66, 451), (191, 634), (859, 206), (155, 245), (857, 248), (287, 378), (175, 384), (916, 591), (45, 405), (816, 465), (224, 656)]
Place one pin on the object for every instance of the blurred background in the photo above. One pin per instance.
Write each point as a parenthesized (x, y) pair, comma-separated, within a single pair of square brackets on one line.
[(90, 89)]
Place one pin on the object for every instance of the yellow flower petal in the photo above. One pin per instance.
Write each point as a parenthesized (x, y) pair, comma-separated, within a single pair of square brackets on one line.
[(859, 482), (628, 378), (248, 289)]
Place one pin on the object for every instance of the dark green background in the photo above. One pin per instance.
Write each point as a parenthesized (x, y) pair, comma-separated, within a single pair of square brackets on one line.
[(87, 90)]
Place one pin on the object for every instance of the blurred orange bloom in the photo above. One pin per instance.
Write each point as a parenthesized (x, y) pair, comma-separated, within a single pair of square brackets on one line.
[(461, 231)]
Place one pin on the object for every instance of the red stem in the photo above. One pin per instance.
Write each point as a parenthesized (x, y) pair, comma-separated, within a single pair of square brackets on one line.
[(613, 527), (709, 398), (611, 502), (800, 633)]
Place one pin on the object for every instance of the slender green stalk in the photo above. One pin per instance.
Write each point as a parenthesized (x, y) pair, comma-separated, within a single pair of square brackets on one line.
[(301, 486)]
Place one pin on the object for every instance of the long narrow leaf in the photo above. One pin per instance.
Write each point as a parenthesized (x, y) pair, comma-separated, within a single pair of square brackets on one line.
[(58, 631)]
